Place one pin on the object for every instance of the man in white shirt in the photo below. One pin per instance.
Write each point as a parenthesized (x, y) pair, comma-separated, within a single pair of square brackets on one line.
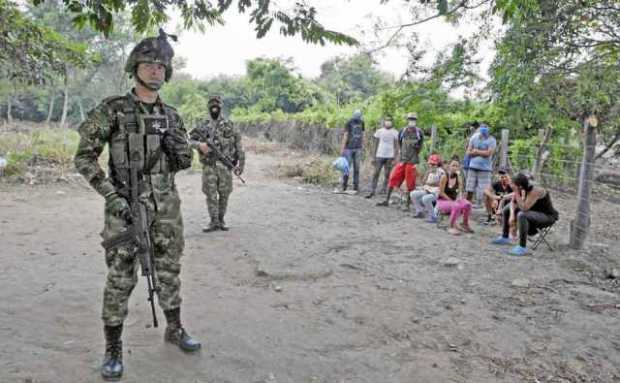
[(386, 150)]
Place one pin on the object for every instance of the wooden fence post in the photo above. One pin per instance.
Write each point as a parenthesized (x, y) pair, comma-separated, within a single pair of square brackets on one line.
[(544, 135), (433, 138), (503, 160), (581, 223)]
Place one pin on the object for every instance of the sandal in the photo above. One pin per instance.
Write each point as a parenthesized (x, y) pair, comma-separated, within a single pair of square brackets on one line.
[(454, 231)]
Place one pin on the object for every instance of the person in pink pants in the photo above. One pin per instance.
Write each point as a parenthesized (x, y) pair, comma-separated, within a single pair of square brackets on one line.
[(450, 199)]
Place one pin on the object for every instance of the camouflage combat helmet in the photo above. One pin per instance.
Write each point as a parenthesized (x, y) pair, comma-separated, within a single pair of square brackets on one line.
[(152, 50), (214, 100)]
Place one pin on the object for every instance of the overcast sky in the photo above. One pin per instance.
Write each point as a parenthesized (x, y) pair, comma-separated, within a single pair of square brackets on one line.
[(225, 49)]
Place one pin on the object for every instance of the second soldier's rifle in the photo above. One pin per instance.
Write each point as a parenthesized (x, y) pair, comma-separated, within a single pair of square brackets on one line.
[(223, 159), (138, 233)]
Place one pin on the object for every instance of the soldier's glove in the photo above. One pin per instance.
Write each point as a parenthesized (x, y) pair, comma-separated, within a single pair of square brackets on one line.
[(118, 206), (178, 151), (238, 171)]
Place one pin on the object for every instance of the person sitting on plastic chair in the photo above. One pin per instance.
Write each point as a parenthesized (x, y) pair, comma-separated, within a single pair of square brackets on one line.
[(531, 209), (425, 198)]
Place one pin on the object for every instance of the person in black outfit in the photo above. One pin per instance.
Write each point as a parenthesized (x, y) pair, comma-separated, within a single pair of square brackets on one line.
[(352, 144), (531, 208), (496, 196)]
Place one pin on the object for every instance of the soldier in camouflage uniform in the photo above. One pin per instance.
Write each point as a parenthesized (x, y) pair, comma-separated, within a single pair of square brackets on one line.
[(139, 122), (216, 177)]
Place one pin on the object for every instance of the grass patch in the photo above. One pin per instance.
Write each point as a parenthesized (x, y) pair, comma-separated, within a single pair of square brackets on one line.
[(50, 147), (317, 171), (259, 146)]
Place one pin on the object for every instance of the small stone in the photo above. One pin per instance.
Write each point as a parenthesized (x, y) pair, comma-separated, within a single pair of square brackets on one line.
[(521, 282), (260, 272), (452, 262), (613, 273), (60, 192), (277, 288)]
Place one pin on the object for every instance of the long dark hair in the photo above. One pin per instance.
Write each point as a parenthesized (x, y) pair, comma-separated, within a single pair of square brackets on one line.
[(523, 182)]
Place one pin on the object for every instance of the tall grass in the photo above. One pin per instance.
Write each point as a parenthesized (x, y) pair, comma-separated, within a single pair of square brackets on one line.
[(43, 146)]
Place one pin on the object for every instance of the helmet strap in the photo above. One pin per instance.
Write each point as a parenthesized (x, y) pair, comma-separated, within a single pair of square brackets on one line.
[(144, 84)]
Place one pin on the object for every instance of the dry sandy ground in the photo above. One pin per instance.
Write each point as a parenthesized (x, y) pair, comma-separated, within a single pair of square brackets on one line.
[(309, 287)]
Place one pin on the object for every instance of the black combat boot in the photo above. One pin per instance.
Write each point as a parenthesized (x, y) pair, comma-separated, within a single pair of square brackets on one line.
[(112, 367), (408, 203), (214, 225), (223, 226), (176, 334)]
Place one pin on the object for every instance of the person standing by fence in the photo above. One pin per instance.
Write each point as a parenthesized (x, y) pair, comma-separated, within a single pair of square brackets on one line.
[(352, 145), (386, 150), (480, 150), (411, 140)]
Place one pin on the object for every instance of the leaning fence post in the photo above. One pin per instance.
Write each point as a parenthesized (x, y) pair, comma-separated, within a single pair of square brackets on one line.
[(433, 138), (503, 160), (580, 225)]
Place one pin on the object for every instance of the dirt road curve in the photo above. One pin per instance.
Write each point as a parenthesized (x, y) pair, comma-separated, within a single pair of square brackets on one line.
[(308, 287)]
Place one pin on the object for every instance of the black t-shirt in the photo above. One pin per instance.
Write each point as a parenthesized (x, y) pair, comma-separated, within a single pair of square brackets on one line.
[(355, 128), (499, 189)]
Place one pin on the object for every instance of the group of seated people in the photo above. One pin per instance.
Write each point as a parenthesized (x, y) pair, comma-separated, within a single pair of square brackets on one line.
[(520, 207)]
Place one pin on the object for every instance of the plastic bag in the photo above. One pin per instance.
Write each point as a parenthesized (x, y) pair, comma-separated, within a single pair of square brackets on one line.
[(342, 165)]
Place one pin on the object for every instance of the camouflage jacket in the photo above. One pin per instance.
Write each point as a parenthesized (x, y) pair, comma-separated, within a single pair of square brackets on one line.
[(411, 141), (155, 141), (224, 136)]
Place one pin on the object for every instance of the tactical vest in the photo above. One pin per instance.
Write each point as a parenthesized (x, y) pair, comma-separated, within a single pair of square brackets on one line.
[(136, 141)]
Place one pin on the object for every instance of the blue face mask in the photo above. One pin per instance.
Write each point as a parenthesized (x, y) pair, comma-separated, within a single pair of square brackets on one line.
[(484, 131)]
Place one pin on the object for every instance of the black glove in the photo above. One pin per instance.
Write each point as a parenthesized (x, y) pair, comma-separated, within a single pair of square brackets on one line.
[(178, 151)]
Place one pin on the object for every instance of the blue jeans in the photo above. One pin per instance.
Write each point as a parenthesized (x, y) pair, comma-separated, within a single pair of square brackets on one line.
[(354, 157)]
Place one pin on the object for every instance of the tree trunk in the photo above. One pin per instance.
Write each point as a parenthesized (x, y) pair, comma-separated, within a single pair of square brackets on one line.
[(50, 110), (9, 106), (581, 223), (65, 104), (541, 154), (81, 107)]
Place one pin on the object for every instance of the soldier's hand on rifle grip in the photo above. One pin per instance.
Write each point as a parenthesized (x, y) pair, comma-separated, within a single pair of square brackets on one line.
[(118, 206), (204, 148), (238, 171)]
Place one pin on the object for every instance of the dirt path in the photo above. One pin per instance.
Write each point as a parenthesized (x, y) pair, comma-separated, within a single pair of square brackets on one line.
[(307, 287)]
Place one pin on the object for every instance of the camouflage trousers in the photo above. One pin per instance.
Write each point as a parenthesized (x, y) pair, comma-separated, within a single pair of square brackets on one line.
[(123, 266), (217, 185)]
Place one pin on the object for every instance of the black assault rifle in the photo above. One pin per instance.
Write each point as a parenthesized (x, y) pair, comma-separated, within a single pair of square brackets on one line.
[(223, 159), (137, 233)]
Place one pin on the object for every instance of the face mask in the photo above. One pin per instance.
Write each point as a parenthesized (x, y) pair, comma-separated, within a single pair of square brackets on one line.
[(411, 123)]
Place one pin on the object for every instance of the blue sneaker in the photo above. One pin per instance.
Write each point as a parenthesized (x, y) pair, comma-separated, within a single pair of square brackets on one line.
[(432, 219), (501, 241), (518, 251)]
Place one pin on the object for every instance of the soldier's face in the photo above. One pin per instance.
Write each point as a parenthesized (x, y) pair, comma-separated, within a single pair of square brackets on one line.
[(152, 74)]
